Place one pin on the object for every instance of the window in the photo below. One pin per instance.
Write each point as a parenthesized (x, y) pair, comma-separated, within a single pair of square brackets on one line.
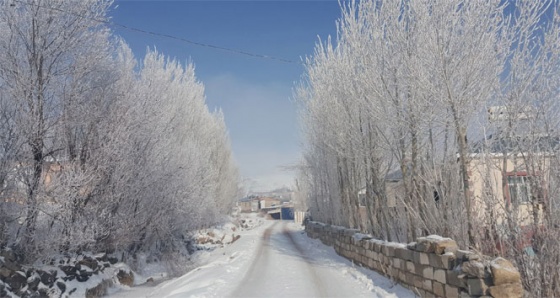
[(362, 198), (519, 189)]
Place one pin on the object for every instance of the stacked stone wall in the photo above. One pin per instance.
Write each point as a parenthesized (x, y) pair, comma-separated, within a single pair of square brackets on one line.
[(432, 266)]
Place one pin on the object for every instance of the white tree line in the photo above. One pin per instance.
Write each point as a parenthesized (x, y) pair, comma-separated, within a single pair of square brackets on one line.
[(97, 151), (406, 88)]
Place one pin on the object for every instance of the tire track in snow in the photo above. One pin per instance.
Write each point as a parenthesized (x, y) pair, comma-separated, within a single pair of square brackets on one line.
[(256, 281), (250, 278), (320, 288)]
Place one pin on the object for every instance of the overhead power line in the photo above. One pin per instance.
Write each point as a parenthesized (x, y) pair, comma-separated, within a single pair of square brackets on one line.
[(168, 36), (206, 45)]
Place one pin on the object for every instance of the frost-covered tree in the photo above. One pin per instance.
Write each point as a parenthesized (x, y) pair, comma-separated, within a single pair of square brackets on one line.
[(44, 53), (96, 152), (395, 117)]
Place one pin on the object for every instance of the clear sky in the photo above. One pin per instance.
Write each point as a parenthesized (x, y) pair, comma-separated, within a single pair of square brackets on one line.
[(254, 94)]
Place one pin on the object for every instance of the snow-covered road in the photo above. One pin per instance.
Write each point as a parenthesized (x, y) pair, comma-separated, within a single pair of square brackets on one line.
[(274, 260)]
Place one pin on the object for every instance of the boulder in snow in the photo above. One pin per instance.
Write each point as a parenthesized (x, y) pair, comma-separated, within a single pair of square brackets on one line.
[(125, 277)]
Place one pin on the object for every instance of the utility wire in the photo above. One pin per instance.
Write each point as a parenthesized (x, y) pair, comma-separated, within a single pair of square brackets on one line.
[(255, 55)]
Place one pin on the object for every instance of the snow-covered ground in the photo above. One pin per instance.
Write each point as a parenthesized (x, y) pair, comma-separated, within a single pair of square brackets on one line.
[(276, 259)]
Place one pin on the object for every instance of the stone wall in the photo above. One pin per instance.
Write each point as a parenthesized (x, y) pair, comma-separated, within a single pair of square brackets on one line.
[(76, 275), (431, 267)]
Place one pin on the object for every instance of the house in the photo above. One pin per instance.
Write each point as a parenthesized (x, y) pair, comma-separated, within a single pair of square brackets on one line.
[(248, 204), (268, 202), (257, 203), (55, 175), (394, 189), (15, 184), (506, 177)]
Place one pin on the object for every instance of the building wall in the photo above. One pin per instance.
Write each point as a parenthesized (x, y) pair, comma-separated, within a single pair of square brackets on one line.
[(249, 206), (485, 177), (269, 202), (245, 206), (299, 217), (16, 190)]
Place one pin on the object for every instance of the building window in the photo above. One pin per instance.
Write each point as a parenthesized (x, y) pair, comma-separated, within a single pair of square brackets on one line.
[(362, 199), (519, 189)]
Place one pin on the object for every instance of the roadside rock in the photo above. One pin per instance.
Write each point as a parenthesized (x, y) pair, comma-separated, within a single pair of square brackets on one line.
[(90, 263), (513, 290), (61, 286), (5, 272), (435, 244), (47, 281), (8, 255), (113, 260), (504, 272), (474, 268), (33, 282), (16, 281), (125, 278), (100, 290), (102, 258), (10, 265), (47, 278), (3, 292)]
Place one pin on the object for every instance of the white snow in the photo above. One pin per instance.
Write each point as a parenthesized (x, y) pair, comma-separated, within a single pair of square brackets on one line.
[(395, 244), (275, 259), (360, 236), (437, 238)]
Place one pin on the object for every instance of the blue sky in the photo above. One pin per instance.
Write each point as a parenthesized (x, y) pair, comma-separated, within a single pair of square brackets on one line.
[(254, 94)]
